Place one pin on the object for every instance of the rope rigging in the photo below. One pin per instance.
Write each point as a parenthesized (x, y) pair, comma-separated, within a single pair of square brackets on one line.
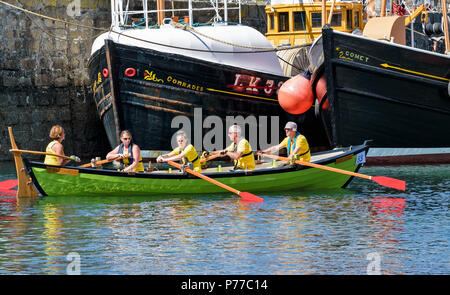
[(177, 25)]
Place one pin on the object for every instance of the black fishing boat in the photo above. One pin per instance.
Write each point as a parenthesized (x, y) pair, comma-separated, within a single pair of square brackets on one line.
[(144, 77), (396, 95)]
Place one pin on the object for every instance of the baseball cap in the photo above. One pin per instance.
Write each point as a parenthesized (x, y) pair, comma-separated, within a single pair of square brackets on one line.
[(291, 125), (234, 128)]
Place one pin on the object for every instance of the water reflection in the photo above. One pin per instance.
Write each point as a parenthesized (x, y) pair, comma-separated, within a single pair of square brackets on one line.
[(287, 234), (52, 238), (388, 222)]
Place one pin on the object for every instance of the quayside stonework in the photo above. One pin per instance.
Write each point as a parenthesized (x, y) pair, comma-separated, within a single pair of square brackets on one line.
[(43, 71)]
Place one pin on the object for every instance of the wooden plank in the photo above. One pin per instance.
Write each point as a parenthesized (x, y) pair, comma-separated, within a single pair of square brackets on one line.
[(109, 53), (445, 23), (65, 171), (344, 159), (103, 100)]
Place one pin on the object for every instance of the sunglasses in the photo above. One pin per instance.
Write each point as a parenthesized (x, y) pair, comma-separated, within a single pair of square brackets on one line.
[(126, 138)]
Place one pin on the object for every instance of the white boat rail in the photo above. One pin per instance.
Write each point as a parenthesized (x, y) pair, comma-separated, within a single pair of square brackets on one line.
[(120, 14)]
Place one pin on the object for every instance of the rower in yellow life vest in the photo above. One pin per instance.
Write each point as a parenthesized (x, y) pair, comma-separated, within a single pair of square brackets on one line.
[(184, 152), (296, 144), (127, 146), (55, 147), (239, 150)]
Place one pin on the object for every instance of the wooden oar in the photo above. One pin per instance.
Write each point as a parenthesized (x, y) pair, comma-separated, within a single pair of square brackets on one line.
[(210, 158), (381, 180), (103, 161), (244, 195), (39, 153)]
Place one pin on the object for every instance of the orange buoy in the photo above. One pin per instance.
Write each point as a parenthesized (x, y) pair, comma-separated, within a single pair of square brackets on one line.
[(321, 88), (295, 96), (321, 93)]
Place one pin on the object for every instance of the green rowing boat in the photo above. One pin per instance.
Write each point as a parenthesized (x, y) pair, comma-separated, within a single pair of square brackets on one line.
[(267, 177)]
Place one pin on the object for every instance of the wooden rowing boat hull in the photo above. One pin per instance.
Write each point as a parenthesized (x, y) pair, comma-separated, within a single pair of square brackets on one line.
[(75, 181)]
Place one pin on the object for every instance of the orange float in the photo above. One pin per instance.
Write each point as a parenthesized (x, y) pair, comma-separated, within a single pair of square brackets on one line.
[(321, 92), (321, 88), (295, 96)]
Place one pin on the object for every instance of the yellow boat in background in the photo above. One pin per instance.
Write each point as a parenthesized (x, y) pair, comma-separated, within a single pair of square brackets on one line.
[(297, 22)]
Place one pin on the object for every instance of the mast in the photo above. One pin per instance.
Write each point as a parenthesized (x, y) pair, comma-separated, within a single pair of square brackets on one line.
[(445, 23), (330, 16), (324, 12), (190, 13), (383, 8), (160, 6)]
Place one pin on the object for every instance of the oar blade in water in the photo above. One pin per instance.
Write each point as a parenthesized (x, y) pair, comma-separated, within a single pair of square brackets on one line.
[(390, 182), (248, 197), (8, 184)]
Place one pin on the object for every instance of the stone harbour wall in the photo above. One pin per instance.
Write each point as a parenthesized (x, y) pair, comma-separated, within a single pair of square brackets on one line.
[(44, 76)]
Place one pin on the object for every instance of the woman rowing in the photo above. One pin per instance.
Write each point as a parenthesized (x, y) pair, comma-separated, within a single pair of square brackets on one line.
[(126, 148), (57, 135), (295, 143), (184, 152)]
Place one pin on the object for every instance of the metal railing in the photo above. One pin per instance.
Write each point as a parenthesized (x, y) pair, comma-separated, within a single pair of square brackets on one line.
[(120, 13)]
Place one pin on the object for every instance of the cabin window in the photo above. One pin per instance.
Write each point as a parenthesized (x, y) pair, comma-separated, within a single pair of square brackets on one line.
[(316, 19), (356, 19), (336, 19), (283, 22), (349, 19), (299, 21), (271, 22)]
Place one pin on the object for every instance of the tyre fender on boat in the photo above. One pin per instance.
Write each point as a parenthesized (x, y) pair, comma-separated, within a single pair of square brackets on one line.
[(130, 72)]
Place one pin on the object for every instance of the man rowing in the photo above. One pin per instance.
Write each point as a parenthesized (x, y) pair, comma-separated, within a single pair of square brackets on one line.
[(296, 144), (239, 150), (184, 152)]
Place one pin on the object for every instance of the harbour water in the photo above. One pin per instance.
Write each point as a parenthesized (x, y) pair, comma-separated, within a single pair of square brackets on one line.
[(364, 229)]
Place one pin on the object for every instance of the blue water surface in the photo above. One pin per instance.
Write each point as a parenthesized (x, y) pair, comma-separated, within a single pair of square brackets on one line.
[(364, 229)]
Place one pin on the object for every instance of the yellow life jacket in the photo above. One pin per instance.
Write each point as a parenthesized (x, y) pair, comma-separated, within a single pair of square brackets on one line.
[(190, 156), (51, 160), (304, 154), (247, 160)]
